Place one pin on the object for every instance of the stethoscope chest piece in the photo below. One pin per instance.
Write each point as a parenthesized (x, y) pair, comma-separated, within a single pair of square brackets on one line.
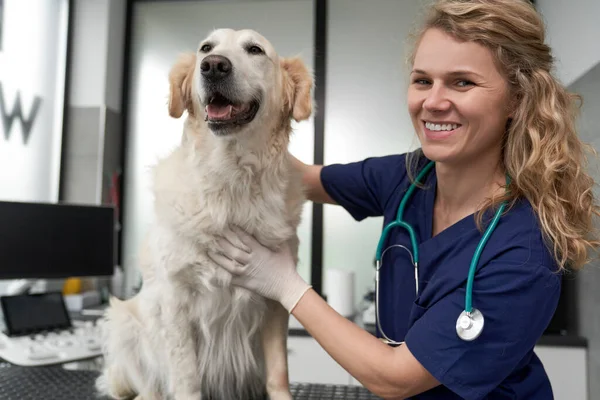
[(469, 325)]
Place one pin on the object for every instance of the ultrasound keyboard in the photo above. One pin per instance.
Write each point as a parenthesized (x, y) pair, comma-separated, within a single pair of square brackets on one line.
[(80, 342), (39, 331)]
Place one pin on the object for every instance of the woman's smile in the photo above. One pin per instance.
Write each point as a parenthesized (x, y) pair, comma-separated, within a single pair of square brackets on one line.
[(439, 130)]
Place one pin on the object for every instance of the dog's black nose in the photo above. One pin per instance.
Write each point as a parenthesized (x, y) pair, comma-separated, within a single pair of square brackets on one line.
[(215, 68)]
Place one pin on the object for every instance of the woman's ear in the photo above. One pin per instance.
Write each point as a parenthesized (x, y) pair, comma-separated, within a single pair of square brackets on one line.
[(297, 86), (180, 80)]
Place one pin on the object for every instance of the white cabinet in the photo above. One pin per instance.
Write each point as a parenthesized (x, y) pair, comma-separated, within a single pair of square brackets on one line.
[(308, 362), (566, 367)]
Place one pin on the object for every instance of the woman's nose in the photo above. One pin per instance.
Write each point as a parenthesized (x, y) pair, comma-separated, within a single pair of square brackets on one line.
[(436, 99)]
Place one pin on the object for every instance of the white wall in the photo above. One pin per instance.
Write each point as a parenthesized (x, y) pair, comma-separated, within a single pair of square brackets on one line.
[(114, 60), (97, 64), (90, 24), (32, 69), (92, 151), (573, 32), (588, 280), (366, 113)]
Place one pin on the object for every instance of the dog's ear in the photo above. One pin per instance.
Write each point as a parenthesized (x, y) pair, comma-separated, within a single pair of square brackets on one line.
[(180, 81), (297, 85)]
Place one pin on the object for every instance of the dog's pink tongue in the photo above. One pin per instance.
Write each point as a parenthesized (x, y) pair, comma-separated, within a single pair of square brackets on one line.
[(219, 112)]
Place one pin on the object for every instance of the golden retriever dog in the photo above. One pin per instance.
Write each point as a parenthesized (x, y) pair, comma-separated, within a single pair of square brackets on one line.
[(189, 334)]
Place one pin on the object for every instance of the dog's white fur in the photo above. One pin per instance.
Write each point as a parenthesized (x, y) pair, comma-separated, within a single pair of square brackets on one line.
[(189, 334)]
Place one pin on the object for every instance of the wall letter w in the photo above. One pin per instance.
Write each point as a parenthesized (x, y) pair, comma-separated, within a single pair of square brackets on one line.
[(8, 119)]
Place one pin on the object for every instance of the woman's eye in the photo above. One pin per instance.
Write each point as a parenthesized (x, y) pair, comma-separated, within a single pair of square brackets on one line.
[(421, 81), (206, 48), (464, 83), (255, 50)]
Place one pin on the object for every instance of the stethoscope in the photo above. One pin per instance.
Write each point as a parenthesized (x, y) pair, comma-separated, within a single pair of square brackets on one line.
[(469, 324)]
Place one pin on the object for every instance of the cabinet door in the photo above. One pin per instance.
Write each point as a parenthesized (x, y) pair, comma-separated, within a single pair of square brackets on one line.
[(567, 370), (308, 362)]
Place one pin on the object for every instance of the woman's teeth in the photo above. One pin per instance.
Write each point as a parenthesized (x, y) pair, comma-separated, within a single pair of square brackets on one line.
[(440, 127)]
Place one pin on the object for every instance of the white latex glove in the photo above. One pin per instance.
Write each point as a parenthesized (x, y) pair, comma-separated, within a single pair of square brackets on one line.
[(257, 268)]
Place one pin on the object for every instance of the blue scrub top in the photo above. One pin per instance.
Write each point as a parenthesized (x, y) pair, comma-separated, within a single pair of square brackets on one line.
[(516, 287)]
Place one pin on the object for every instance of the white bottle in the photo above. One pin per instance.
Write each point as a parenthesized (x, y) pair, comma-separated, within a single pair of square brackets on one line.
[(117, 283)]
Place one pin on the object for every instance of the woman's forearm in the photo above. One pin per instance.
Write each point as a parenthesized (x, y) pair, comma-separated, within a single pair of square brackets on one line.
[(364, 356)]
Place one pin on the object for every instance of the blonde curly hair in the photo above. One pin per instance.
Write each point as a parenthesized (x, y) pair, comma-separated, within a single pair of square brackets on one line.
[(542, 152)]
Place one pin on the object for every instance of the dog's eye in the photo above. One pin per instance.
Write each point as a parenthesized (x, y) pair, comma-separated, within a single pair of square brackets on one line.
[(254, 50), (206, 48)]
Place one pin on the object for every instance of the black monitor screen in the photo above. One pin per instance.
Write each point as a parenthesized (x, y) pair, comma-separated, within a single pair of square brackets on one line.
[(39, 240), (26, 314)]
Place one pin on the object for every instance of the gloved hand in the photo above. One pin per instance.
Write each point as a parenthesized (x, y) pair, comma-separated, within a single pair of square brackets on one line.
[(257, 268)]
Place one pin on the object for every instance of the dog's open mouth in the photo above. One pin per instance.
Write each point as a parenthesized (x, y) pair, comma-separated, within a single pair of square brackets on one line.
[(220, 111)]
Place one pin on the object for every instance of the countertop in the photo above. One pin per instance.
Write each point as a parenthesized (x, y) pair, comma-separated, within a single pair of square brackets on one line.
[(296, 329)]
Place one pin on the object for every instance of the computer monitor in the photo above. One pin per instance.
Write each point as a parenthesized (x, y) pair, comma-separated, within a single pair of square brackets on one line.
[(54, 241)]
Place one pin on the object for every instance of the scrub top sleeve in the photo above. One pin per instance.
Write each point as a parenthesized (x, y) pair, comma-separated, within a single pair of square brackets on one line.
[(363, 188), (517, 302)]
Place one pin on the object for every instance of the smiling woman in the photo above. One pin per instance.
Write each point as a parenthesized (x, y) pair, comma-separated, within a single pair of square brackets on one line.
[(459, 102), (517, 117)]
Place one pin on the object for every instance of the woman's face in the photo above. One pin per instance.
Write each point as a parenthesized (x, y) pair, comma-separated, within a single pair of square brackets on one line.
[(458, 100)]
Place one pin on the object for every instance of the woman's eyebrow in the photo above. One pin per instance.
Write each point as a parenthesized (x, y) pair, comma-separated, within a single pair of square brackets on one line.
[(459, 72)]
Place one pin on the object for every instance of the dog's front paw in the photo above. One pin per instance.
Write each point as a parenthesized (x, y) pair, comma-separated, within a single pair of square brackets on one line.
[(280, 395)]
